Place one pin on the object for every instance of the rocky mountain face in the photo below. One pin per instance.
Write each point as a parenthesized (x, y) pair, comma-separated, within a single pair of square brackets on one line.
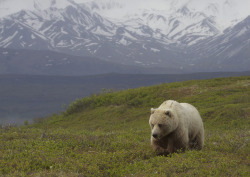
[(183, 37), (35, 62)]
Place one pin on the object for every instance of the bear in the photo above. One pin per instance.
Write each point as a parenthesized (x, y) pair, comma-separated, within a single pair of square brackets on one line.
[(175, 127)]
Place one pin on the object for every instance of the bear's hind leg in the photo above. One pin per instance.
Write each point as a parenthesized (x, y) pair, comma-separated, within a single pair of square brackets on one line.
[(199, 140)]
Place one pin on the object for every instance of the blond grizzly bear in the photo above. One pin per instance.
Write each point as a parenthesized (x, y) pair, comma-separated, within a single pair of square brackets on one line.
[(176, 126)]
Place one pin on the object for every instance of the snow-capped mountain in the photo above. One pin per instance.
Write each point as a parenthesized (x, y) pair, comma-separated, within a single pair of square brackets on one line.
[(58, 28), (192, 35), (229, 50), (223, 12)]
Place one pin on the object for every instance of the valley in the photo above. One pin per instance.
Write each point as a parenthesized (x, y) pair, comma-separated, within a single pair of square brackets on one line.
[(28, 97)]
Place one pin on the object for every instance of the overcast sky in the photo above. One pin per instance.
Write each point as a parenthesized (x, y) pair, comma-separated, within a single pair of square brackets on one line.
[(9, 6), (239, 7), (159, 4)]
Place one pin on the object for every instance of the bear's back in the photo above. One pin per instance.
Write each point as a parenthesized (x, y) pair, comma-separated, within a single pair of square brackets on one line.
[(189, 108), (168, 104), (185, 111), (193, 118)]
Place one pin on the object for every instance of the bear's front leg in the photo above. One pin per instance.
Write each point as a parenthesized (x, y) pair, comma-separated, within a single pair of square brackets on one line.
[(171, 148), (158, 148), (161, 151)]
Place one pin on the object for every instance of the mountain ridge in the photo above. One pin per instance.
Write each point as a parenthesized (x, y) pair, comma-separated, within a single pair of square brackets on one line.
[(36, 62), (184, 39)]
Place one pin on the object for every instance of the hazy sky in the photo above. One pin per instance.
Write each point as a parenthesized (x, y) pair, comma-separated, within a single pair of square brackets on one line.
[(238, 7), (7, 6), (159, 4), (225, 10)]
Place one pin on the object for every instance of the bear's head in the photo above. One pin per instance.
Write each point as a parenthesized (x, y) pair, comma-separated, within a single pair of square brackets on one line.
[(162, 122)]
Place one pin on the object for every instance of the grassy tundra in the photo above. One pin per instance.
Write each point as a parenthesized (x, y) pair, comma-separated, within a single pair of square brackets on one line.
[(109, 135)]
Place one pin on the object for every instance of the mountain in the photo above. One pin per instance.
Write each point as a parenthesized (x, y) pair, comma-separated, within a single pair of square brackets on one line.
[(34, 62), (182, 35), (227, 51)]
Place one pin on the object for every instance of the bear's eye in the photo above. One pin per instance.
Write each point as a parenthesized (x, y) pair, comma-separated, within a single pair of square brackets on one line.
[(160, 125), (152, 125)]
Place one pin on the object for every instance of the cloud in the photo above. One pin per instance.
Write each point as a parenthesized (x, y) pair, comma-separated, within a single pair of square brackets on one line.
[(128, 6), (13, 6), (159, 4), (227, 7)]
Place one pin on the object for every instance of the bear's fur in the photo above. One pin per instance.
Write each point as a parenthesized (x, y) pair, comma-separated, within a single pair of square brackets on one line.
[(176, 126)]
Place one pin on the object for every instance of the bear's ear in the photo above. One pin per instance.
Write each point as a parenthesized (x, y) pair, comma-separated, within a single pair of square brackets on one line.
[(152, 110), (168, 113)]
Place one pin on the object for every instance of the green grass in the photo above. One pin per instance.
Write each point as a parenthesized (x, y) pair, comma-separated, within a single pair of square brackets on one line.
[(109, 135)]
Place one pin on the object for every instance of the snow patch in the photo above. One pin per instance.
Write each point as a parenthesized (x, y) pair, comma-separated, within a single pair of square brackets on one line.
[(242, 31), (91, 44), (7, 40), (32, 36), (123, 41), (63, 31), (155, 50), (99, 31), (138, 62)]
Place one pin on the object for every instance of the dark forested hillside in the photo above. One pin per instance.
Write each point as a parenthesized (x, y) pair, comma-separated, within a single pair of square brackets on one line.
[(23, 97)]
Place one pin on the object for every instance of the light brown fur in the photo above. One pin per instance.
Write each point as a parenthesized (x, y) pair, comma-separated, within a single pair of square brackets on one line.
[(176, 126)]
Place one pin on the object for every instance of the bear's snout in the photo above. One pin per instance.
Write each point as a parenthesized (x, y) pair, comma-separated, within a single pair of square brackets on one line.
[(155, 135)]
